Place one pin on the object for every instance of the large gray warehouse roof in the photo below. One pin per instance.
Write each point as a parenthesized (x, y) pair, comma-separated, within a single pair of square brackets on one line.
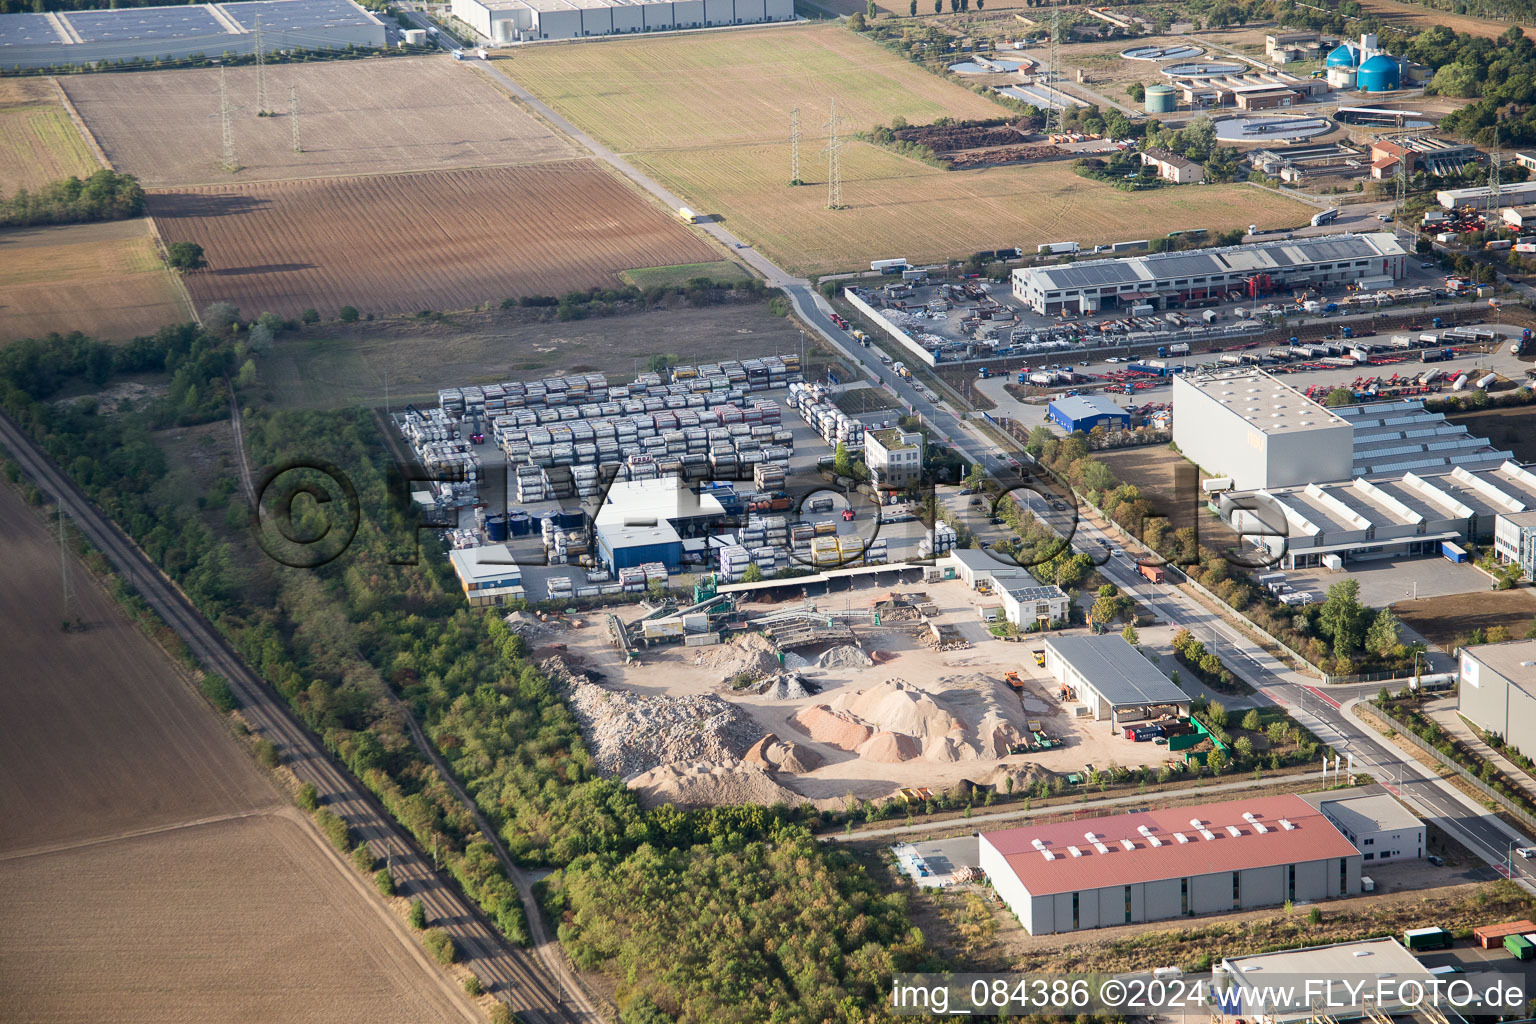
[(1116, 670)]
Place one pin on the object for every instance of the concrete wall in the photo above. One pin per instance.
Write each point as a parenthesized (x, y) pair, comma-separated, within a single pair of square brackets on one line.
[(688, 13), (1006, 883), (629, 19), (557, 25), (597, 21), (719, 12), (907, 342)]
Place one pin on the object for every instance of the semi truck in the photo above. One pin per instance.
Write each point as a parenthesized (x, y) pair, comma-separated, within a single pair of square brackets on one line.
[(892, 266), (1152, 573), (1427, 938), (1326, 217), (1057, 248)]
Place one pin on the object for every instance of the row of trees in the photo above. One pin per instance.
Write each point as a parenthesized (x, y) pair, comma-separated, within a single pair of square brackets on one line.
[(105, 195)]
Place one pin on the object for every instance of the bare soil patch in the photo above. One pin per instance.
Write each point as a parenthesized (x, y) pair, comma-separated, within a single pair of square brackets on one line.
[(403, 243), (1441, 620), (1513, 428), (355, 117)]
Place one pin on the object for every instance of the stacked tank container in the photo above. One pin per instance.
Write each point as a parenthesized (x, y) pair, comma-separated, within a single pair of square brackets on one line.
[(940, 539), (821, 415), (632, 580), (559, 587)]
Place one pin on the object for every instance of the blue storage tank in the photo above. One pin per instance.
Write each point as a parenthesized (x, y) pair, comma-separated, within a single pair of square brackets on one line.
[(571, 519), (519, 524), (1379, 74), (1345, 55), (496, 529)]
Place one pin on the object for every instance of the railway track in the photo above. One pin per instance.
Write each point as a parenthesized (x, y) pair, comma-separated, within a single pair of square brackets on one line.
[(510, 974)]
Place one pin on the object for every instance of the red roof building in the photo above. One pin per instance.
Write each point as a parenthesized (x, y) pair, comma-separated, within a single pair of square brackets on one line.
[(1162, 864)]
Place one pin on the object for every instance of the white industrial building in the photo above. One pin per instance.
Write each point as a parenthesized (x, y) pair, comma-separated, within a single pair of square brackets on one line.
[(127, 34), (1025, 600), (659, 520), (488, 575), (1519, 193), (1261, 433), (1168, 863), (895, 457), (1496, 691), (1514, 540), (1380, 827), (510, 21), (1340, 968), (1175, 278), (1113, 680), (1310, 485)]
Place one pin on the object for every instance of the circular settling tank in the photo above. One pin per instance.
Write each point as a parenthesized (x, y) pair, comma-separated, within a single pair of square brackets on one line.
[(1271, 128), (1202, 69), (1180, 52)]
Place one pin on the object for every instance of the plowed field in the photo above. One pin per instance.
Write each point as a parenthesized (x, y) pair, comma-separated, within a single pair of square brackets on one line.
[(355, 117), (148, 871), (38, 141), (408, 242)]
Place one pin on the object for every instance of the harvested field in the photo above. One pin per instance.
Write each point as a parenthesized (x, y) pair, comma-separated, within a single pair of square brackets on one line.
[(1443, 620), (402, 243), (347, 364), (148, 871), (104, 279), (734, 88), (893, 204), (357, 117), (246, 916), (1411, 17), (39, 144)]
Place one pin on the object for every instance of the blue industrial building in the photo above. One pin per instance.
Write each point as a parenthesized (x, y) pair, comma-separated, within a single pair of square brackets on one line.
[(1080, 413), (654, 521), (624, 547)]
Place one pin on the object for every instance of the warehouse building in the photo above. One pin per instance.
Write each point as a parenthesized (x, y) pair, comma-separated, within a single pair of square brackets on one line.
[(488, 575), (657, 520), (1084, 412), (895, 457), (1497, 691), (1163, 864), (1171, 279), (1518, 193), (1374, 820), (1113, 680), (82, 38), (1261, 433), (1025, 601), (1340, 968), (510, 21)]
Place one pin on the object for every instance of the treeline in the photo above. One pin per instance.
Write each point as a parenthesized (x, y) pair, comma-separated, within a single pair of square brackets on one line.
[(778, 926), (696, 291), (105, 195)]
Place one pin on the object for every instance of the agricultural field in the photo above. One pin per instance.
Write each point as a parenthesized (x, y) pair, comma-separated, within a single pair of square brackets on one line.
[(679, 276), (899, 207), (339, 365), (355, 117), (1445, 621), (1411, 17), (1512, 428), (38, 141), (105, 279), (402, 243), (721, 89), (709, 119), (148, 871)]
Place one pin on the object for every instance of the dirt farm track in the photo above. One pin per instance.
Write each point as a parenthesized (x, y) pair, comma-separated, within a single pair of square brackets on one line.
[(403, 243), (148, 871)]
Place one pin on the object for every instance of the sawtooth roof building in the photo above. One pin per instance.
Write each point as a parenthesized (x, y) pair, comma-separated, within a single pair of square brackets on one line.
[(507, 21), (1167, 863), (1175, 278)]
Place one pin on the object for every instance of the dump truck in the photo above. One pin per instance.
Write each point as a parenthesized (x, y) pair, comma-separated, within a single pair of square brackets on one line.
[(1039, 654), (1014, 680)]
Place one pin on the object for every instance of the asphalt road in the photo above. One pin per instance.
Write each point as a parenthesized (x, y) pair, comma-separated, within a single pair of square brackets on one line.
[(512, 975)]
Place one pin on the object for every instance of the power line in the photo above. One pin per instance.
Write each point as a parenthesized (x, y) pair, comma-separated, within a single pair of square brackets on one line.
[(226, 124), (261, 71), (293, 115), (71, 613), (794, 147), (833, 153), (1052, 115)]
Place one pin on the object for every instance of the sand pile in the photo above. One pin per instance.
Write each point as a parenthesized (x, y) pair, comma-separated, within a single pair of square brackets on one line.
[(965, 718), (702, 785), (781, 755), (846, 656), (1025, 777), (629, 733), (753, 655)]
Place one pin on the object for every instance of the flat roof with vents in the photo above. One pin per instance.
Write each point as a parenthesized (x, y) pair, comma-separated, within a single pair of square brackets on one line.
[(1231, 836), (1265, 403)]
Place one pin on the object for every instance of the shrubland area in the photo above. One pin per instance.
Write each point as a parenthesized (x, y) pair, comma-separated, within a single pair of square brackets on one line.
[(728, 914)]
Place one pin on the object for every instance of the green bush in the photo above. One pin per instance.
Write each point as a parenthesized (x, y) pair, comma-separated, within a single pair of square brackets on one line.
[(440, 944), (472, 985), (384, 882), (309, 796), (363, 858), (266, 753), (418, 915), (216, 689), (335, 828)]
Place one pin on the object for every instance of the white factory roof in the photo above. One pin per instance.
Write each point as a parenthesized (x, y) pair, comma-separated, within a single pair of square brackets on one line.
[(1157, 269), (1381, 957), (622, 535), (1511, 659), (1116, 670), (1080, 406), (1513, 194), (546, 6), (1263, 401), (481, 565), (1363, 810), (1402, 436), (652, 502)]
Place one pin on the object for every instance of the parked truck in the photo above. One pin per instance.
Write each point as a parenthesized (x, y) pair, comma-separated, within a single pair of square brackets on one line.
[(1057, 248), (1152, 573), (1181, 349), (1519, 946), (1427, 938)]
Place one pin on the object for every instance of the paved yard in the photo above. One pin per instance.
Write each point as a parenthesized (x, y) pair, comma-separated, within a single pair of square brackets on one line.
[(1387, 581), (942, 858)]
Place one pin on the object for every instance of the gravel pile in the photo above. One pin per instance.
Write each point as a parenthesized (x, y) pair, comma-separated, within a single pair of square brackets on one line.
[(846, 656), (785, 686), (696, 785), (752, 655), (629, 733)]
